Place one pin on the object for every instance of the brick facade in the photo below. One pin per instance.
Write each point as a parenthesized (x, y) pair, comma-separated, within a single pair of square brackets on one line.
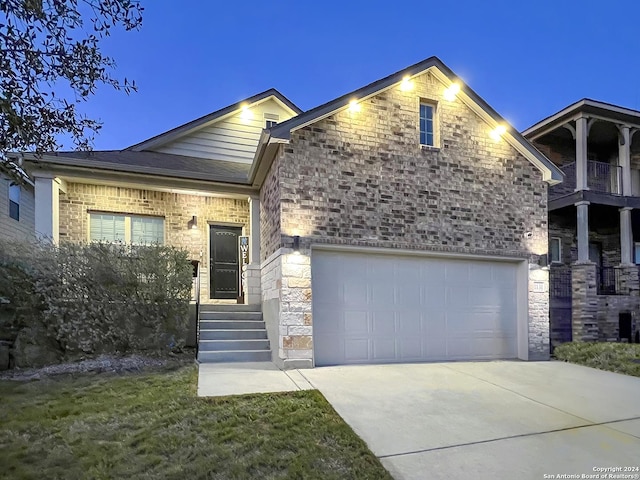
[(176, 209), (363, 179)]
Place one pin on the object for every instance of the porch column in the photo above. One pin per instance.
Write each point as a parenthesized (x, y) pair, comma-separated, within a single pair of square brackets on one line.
[(582, 227), (624, 158), (581, 154), (254, 219), (253, 290), (47, 213), (626, 237)]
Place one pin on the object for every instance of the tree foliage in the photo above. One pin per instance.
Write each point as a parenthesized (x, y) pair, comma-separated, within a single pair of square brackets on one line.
[(50, 62)]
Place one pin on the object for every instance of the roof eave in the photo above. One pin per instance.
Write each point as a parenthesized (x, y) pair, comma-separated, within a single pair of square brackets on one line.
[(54, 160)]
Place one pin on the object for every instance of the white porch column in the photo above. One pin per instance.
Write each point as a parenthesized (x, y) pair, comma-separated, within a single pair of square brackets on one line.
[(253, 292), (626, 237), (582, 227), (581, 154), (47, 208), (624, 158), (254, 220)]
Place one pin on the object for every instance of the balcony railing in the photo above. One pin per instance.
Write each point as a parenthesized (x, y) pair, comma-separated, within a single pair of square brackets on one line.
[(601, 177)]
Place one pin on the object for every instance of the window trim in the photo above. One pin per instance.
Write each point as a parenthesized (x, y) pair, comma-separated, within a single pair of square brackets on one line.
[(636, 258), (270, 117), (559, 240), (434, 123), (13, 186), (128, 226)]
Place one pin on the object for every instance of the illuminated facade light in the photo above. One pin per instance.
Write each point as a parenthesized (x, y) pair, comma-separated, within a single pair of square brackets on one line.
[(451, 92), (497, 132), (246, 114), (407, 84), (354, 106)]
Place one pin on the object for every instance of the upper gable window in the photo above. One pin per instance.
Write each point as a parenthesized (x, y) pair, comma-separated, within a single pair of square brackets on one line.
[(14, 201), (271, 119), (427, 124)]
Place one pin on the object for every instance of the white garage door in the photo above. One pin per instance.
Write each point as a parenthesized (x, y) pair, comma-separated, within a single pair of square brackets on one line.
[(370, 308)]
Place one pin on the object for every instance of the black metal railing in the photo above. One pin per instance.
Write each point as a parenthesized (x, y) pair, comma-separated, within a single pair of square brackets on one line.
[(608, 280), (602, 177), (560, 281)]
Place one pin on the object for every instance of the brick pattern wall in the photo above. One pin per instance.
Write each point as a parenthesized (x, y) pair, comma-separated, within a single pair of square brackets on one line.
[(565, 228), (177, 210), (363, 179), (11, 229), (270, 238)]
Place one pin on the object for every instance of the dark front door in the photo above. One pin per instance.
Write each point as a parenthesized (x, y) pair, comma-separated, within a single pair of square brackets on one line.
[(225, 264)]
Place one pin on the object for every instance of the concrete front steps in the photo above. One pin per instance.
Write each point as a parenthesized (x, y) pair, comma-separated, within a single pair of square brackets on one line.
[(232, 333)]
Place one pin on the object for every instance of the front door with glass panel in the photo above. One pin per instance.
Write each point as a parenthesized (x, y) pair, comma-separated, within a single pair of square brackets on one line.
[(224, 262)]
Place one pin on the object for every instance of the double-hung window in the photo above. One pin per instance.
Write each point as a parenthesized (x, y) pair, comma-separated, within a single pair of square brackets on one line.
[(133, 229), (427, 124), (555, 250), (14, 201)]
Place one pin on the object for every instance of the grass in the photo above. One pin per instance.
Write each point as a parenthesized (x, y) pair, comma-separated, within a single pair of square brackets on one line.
[(614, 357), (153, 426)]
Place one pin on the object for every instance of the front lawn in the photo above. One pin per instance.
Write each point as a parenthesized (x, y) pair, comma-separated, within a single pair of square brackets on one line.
[(614, 357), (153, 426)]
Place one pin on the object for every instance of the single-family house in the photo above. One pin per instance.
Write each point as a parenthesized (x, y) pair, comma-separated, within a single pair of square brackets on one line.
[(404, 221), (594, 221)]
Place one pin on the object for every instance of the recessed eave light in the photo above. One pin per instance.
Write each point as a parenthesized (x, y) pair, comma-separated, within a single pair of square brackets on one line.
[(407, 84), (246, 114), (498, 132), (451, 92), (354, 106)]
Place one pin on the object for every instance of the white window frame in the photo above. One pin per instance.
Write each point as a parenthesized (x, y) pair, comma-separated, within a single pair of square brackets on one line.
[(434, 122), (15, 187), (272, 118), (128, 226), (559, 240)]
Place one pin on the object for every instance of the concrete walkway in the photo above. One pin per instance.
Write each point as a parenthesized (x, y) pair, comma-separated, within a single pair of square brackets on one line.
[(489, 420), (221, 379)]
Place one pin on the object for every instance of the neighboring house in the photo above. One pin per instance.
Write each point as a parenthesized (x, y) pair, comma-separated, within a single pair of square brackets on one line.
[(594, 221), (404, 221), (16, 208)]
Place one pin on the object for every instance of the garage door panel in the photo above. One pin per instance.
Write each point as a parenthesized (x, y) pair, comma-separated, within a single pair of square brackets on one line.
[(434, 296), (384, 349), (355, 323), (409, 322), (411, 308), (356, 349), (355, 294), (383, 323)]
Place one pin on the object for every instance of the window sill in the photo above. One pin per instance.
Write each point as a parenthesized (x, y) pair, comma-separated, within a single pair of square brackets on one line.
[(429, 148)]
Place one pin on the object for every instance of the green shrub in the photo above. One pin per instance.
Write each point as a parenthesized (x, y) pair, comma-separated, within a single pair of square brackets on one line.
[(96, 298), (614, 357)]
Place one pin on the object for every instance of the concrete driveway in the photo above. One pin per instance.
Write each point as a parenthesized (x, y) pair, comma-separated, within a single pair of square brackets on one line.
[(489, 420)]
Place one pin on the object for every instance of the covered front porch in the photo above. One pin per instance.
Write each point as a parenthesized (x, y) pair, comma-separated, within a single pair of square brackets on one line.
[(218, 225)]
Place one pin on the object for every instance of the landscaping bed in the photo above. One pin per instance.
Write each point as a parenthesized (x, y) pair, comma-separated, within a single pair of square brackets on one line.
[(152, 425), (614, 357)]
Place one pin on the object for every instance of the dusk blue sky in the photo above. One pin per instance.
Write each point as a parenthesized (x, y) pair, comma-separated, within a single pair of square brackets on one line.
[(527, 59)]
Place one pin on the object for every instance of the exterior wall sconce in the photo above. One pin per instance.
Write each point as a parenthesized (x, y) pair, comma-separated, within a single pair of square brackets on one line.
[(543, 261), (193, 223), (296, 244)]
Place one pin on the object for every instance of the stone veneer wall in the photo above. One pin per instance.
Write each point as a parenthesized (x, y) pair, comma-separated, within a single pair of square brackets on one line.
[(596, 317), (176, 209), (363, 179)]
